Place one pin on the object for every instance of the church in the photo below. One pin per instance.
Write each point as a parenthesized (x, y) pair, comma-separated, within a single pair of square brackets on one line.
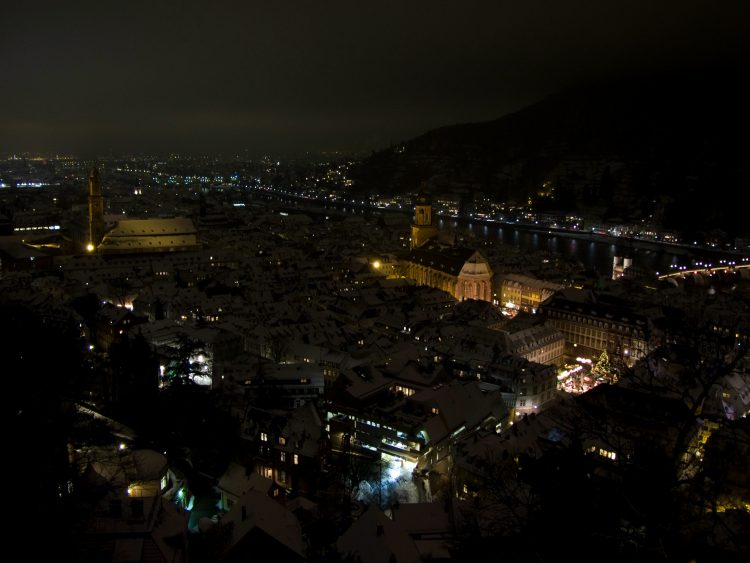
[(135, 236), (462, 272)]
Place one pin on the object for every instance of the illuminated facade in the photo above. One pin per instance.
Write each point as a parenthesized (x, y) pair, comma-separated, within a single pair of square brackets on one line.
[(420, 428), (422, 229), (525, 293), (592, 327), (462, 272), (136, 236), (619, 265)]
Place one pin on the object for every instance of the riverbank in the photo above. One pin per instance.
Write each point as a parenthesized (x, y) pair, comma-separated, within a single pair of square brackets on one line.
[(623, 242), (597, 253)]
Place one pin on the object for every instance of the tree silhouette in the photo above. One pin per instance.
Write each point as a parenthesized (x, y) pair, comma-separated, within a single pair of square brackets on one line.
[(45, 368), (135, 374), (182, 360)]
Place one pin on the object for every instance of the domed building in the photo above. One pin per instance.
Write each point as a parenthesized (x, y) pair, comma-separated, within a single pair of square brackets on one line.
[(462, 272)]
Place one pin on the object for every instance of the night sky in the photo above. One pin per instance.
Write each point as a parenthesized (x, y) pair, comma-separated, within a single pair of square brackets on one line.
[(292, 76)]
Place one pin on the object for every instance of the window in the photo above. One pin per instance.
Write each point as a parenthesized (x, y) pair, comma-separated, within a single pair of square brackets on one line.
[(282, 440), (282, 456), (296, 459), (263, 437)]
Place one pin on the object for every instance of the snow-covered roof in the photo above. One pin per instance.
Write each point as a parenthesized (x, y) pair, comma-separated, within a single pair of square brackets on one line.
[(374, 538)]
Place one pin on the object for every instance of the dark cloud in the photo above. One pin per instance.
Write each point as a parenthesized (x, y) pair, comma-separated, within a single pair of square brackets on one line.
[(282, 75)]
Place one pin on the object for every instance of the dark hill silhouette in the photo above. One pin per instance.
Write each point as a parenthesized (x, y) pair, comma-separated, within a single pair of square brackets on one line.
[(672, 146)]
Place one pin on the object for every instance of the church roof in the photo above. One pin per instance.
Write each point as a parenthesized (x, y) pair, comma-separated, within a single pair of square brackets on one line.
[(151, 235), (448, 259), (153, 227)]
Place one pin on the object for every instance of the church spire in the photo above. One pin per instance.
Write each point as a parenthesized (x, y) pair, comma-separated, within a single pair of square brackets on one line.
[(422, 228)]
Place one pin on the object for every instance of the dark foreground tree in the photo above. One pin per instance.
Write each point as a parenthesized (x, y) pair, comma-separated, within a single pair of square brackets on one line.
[(44, 368)]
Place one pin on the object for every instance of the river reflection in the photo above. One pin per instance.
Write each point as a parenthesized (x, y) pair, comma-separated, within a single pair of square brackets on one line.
[(594, 255)]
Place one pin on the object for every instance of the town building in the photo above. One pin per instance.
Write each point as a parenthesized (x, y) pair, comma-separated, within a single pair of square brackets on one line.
[(128, 236), (593, 324), (462, 272), (525, 293)]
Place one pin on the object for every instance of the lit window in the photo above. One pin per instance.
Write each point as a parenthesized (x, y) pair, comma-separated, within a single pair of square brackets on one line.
[(296, 459), (282, 440), (282, 456), (263, 437)]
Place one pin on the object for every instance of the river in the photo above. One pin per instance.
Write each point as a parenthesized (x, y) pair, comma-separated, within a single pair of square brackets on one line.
[(594, 252)]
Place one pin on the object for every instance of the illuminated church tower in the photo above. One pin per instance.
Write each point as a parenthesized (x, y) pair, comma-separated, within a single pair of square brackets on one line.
[(422, 229), (96, 211)]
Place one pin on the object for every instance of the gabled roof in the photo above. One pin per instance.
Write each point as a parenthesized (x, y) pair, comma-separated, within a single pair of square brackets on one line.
[(119, 468), (459, 405), (264, 513), (589, 304), (153, 227), (236, 481), (374, 538), (150, 235)]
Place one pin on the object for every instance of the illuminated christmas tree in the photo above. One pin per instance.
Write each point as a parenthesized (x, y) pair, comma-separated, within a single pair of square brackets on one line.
[(602, 370)]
